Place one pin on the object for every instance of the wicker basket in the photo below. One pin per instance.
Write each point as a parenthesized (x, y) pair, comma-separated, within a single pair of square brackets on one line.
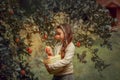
[(53, 60)]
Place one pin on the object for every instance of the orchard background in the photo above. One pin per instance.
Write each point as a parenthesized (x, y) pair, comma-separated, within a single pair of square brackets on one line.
[(27, 26)]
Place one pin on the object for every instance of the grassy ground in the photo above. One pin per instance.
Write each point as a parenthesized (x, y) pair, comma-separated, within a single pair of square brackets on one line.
[(87, 71)]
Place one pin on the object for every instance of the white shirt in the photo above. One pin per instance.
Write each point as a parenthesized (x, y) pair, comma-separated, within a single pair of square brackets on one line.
[(66, 62)]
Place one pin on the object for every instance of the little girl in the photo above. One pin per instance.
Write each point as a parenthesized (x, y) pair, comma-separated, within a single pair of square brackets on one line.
[(66, 49)]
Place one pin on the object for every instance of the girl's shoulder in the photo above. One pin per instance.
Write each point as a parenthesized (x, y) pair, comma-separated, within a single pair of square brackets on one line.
[(70, 46)]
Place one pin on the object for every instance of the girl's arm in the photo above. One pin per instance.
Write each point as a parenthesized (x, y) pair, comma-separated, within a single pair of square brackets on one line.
[(66, 60)]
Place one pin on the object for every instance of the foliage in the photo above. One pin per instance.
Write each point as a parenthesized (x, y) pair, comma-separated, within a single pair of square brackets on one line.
[(88, 19)]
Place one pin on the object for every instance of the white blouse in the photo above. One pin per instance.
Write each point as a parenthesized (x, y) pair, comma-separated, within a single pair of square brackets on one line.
[(66, 62)]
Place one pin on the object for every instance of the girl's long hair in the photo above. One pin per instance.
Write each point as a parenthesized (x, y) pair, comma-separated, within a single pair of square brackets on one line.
[(68, 36)]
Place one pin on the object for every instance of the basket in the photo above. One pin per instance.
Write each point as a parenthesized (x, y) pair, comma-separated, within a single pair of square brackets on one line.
[(53, 60)]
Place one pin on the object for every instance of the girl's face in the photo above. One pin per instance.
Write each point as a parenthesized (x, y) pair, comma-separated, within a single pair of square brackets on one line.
[(59, 34)]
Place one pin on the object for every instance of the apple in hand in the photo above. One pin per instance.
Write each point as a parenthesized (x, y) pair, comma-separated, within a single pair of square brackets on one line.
[(48, 50)]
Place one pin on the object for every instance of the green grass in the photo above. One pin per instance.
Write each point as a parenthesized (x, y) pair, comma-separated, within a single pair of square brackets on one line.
[(87, 71)]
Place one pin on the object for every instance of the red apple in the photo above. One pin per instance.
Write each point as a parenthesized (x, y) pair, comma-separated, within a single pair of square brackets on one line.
[(78, 44), (47, 49), (29, 50), (17, 40), (22, 72), (11, 12), (45, 36)]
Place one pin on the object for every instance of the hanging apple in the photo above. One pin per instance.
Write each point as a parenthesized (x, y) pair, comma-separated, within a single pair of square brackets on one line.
[(11, 12), (22, 72), (29, 50), (45, 36), (17, 40), (78, 44)]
